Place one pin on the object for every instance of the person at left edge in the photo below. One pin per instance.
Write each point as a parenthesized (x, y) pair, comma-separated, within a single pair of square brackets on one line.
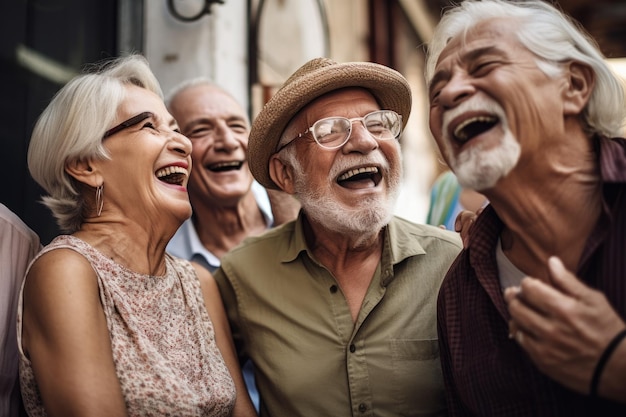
[(18, 246)]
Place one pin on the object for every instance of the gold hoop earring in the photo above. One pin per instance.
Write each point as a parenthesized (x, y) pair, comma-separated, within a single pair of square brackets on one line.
[(99, 199)]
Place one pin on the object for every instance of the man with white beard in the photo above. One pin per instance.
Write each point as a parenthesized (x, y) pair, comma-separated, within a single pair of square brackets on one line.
[(337, 308), (523, 108)]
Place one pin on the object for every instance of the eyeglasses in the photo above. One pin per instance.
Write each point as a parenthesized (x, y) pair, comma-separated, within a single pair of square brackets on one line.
[(334, 132), (128, 123)]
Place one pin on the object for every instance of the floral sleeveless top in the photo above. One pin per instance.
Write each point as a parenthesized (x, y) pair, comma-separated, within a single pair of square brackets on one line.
[(162, 339)]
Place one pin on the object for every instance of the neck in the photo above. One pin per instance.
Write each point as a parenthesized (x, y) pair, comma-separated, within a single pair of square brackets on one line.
[(549, 207), (340, 251), (137, 248), (352, 260), (221, 228)]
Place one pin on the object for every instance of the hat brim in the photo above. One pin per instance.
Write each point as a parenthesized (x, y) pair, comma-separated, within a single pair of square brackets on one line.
[(389, 88)]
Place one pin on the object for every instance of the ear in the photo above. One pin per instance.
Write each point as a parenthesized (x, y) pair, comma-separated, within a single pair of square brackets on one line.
[(85, 172), (281, 174), (580, 83)]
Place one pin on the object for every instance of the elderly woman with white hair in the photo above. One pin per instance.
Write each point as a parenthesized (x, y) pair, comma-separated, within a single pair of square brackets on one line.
[(108, 323)]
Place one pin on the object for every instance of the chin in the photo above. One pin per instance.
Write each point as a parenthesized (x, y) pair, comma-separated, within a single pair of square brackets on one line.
[(368, 217), (480, 169), (183, 213)]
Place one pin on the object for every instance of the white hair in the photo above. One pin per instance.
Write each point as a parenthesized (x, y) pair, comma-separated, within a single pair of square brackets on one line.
[(72, 126), (554, 38)]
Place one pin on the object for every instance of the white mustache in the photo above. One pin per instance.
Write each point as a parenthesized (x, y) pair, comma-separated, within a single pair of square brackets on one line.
[(373, 159), (473, 104)]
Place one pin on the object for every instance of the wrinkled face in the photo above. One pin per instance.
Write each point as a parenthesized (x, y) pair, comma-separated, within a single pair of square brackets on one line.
[(490, 104), (218, 129), (352, 188), (147, 174)]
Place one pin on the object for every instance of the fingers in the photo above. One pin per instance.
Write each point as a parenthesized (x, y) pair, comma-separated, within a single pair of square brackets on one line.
[(525, 317), (540, 296), (511, 292), (463, 220), (564, 280), (463, 224)]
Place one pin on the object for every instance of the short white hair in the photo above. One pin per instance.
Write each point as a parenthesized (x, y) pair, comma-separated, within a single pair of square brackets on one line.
[(72, 126)]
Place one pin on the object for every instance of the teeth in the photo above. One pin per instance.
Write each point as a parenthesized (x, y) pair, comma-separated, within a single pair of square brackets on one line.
[(226, 164), (164, 172), (358, 171), (458, 132)]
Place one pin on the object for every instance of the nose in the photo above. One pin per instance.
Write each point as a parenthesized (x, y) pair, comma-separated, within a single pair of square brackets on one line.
[(360, 140), (456, 90), (225, 138), (180, 143)]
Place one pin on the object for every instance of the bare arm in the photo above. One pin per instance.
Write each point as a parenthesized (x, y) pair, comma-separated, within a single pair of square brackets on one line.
[(224, 340), (65, 336), (565, 328)]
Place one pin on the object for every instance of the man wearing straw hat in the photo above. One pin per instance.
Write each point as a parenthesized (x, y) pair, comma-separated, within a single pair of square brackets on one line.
[(337, 308)]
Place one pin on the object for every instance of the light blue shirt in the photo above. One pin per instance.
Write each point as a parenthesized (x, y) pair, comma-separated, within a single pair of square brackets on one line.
[(186, 244)]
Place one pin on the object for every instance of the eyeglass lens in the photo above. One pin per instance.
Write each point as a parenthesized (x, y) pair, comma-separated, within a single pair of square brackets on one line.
[(333, 132)]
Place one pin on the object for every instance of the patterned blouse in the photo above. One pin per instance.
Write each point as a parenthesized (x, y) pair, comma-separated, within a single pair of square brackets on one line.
[(162, 338)]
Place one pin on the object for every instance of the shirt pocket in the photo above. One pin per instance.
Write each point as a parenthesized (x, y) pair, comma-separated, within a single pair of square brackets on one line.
[(418, 380)]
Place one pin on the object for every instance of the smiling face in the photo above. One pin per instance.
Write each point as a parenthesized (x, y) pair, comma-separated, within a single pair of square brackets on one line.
[(490, 104), (218, 129), (147, 174), (352, 188)]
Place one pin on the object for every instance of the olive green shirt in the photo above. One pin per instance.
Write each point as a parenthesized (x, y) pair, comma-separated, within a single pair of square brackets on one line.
[(290, 317)]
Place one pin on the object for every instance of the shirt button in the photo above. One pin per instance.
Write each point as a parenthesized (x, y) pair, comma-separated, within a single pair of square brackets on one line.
[(333, 289), (362, 407), (352, 349)]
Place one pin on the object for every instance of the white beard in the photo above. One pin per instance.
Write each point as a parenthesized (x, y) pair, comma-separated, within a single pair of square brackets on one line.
[(478, 168), (368, 217)]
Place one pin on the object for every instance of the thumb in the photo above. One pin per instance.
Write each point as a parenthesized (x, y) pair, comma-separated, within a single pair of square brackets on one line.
[(563, 279)]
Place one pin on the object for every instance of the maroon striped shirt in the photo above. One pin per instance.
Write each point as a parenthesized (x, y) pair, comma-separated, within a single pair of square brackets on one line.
[(485, 372)]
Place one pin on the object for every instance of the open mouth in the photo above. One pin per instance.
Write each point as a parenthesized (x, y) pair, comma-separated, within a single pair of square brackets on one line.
[(172, 175), (473, 127), (225, 166), (359, 176)]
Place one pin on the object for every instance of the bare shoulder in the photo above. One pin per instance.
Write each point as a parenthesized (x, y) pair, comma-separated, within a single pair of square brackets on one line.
[(60, 289), (60, 270), (207, 283)]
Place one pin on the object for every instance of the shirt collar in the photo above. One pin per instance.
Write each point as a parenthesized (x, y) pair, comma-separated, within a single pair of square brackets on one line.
[(399, 243), (195, 244)]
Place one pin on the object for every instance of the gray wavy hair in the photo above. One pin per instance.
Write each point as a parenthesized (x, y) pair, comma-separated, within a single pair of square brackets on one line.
[(72, 126), (554, 38)]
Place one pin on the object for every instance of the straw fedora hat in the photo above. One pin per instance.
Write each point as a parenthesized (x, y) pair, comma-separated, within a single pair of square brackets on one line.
[(314, 79)]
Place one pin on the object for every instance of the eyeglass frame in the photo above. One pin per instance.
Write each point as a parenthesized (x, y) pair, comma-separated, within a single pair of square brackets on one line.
[(127, 123), (351, 120)]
